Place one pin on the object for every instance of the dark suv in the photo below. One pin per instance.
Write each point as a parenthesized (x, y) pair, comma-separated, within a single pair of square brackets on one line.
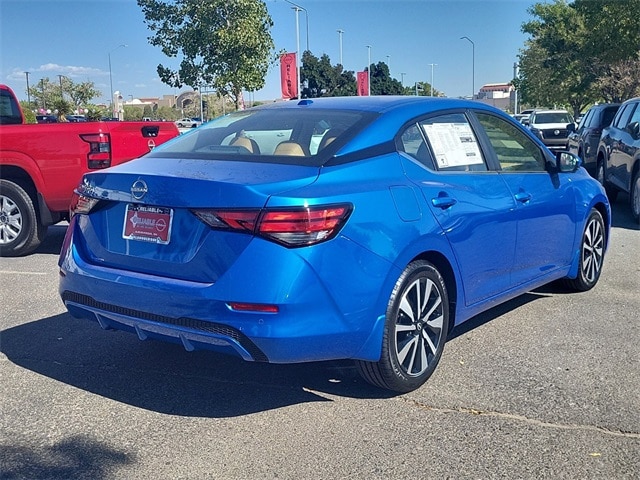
[(584, 141), (618, 167)]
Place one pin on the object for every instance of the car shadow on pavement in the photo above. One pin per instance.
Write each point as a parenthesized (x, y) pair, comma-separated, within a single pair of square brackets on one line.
[(75, 457), (621, 216), (165, 378)]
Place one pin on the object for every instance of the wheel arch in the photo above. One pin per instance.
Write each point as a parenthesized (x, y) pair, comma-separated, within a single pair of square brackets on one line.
[(443, 265)]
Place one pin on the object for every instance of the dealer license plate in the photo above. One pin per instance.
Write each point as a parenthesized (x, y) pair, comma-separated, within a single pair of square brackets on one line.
[(147, 224)]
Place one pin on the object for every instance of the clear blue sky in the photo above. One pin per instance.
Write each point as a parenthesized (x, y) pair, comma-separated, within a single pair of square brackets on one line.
[(74, 38)]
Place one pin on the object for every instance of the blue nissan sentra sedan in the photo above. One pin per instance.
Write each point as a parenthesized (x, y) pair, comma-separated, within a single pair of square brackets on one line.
[(360, 228)]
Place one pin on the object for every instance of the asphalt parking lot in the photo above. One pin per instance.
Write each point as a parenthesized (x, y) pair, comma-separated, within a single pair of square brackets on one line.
[(546, 386)]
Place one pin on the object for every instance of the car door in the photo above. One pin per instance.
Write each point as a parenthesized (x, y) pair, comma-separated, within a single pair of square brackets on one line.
[(545, 202), (471, 203), (620, 139), (623, 156)]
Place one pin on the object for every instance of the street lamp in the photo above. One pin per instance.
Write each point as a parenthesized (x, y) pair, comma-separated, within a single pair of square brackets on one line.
[(369, 71), (402, 77), (340, 32), (432, 65), (28, 94), (111, 80), (473, 65)]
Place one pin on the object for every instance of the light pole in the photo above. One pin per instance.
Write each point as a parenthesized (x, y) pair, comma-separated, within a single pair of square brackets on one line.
[(369, 71), (111, 80), (340, 32), (389, 64), (432, 65), (61, 90), (402, 77), (28, 94), (473, 65)]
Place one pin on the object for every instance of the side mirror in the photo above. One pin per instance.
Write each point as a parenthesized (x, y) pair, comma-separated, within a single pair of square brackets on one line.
[(634, 129), (571, 127), (567, 162)]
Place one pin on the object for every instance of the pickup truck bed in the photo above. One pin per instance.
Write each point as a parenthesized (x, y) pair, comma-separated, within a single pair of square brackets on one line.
[(41, 164)]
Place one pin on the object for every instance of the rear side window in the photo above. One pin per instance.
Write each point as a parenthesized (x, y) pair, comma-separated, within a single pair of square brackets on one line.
[(623, 116), (453, 143), (9, 109)]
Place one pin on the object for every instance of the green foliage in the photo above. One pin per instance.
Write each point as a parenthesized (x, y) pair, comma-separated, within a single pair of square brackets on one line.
[(225, 44), (381, 81), (578, 51), (323, 79), (27, 111), (46, 93)]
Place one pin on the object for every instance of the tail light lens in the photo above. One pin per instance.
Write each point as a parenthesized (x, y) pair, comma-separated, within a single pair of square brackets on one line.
[(81, 204), (296, 227), (99, 155)]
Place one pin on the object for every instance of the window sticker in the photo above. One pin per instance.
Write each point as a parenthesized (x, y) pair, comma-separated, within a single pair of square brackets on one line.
[(454, 144)]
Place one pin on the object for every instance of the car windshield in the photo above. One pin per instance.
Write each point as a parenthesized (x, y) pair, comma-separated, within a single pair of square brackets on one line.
[(277, 135), (553, 117)]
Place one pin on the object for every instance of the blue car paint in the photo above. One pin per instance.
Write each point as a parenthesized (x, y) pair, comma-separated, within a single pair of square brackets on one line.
[(325, 313)]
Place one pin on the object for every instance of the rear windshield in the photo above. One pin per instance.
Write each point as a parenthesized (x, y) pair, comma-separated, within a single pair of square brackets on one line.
[(9, 109), (275, 135)]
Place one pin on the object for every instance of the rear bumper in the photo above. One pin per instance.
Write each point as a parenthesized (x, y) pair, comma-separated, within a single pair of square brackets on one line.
[(321, 315)]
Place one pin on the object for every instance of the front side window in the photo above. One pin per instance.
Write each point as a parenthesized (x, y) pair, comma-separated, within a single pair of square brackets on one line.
[(622, 119), (514, 150)]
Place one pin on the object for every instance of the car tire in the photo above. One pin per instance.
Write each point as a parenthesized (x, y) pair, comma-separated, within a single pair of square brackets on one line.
[(634, 196), (612, 193), (417, 320), (592, 248), (20, 230)]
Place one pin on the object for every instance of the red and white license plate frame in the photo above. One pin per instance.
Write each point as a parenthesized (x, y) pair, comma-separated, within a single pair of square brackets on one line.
[(147, 223)]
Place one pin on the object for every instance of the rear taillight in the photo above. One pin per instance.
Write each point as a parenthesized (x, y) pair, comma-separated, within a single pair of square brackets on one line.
[(291, 227), (81, 204), (99, 155)]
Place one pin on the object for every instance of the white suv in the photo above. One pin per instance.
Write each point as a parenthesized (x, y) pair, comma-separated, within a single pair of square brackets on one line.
[(552, 127)]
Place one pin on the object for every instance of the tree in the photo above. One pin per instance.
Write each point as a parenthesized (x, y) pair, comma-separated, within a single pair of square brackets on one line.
[(29, 116), (47, 94), (553, 67), (381, 81), (323, 79), (225, 44), (578, 51)]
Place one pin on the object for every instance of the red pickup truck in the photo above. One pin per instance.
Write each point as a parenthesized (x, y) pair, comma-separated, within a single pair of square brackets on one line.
[(41, 164)]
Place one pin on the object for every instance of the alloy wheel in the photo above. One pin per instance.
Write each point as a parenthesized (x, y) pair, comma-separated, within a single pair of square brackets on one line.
[(418, 328), (10, 220), (592, 249)]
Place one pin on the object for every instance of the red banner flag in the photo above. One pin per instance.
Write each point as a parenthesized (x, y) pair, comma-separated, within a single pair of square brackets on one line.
[(289, 75), (363, 83)]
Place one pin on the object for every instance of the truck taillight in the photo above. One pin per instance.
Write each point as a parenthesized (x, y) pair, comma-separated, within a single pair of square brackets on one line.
[(99, 155)]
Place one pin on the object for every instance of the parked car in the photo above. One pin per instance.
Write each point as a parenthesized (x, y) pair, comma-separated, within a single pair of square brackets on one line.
[(552, 127), (410, 216), (188, 123), (46, 119), (584, 141), (618, 164)]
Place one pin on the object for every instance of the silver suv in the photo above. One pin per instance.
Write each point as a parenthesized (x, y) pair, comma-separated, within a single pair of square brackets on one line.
[(552, 127)]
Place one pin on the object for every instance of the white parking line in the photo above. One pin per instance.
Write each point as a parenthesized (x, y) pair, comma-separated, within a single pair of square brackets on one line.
[(15, 272)]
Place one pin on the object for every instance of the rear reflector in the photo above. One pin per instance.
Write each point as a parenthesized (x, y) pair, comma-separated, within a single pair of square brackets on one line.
[(253, 307)]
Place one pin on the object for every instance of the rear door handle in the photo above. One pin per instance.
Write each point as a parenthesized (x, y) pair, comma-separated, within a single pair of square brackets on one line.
[(443, 202)]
